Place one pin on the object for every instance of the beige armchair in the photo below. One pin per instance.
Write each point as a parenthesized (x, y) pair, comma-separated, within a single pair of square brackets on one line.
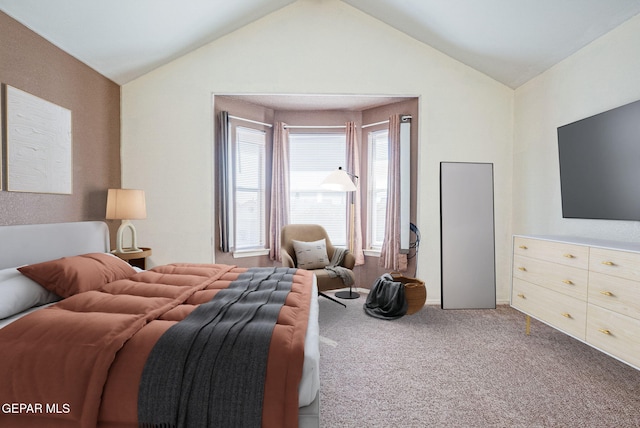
[(310, 233)]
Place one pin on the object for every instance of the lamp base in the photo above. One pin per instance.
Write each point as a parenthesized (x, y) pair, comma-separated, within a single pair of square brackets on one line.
[(126, 224), (128, 251), (347, 294)]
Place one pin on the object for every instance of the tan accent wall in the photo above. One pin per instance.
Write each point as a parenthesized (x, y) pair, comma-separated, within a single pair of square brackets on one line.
[(32, 64), (370, 271), (368, 276)]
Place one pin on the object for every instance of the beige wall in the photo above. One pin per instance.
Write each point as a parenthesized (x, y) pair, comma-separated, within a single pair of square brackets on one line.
[(308, 47), (30, 63), (603, 75), (314, 47)]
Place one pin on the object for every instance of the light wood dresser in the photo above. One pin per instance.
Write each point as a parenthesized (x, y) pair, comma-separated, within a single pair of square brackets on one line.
[(588, 289)]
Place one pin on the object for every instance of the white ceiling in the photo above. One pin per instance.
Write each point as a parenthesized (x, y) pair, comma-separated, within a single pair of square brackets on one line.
[(509, 40)]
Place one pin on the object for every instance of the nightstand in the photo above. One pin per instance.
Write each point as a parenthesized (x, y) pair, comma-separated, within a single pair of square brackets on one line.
[(138, 259)]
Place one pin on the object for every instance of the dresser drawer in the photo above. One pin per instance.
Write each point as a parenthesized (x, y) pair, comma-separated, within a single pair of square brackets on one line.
[(614, 333), (616, 294), (559, 310), (617, 263), (555, 252), (564, 279)]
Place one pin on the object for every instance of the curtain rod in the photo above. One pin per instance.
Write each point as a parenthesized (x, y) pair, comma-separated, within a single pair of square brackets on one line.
[(287, 126), (250, 121), (403, 118), (374, 124), (315, 126)]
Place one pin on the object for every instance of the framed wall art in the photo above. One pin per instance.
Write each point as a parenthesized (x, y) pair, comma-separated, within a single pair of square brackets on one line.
[(39, 144)]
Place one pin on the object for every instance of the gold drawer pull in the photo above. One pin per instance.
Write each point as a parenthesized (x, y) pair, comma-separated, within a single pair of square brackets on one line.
[(604, 331), (607, 293), (523, 247), (608, 263), (567, 281), (522, 268), (569, 256), (566, 315), (520, 295)]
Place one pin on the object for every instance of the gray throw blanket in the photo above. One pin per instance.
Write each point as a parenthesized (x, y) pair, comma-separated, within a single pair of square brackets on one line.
[(334, 269), (386, 299), (209, 369)]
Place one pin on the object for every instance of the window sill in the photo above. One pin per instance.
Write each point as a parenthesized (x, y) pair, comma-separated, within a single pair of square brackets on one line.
[(250, 253), (372, 253)]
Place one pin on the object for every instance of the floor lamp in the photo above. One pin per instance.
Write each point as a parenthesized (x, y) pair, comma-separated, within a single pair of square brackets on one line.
[(342, 181)]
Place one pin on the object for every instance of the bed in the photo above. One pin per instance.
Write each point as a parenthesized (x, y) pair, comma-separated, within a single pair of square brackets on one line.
[(116, 350)]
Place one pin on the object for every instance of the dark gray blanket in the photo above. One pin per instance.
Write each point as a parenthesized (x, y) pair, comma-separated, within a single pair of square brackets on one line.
[(209, 369), (386, 299)]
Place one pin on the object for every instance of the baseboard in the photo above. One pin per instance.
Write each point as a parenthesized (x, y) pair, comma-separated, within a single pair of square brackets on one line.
[(434, 302)]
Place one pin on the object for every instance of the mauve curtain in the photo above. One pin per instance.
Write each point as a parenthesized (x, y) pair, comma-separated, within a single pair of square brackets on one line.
[(354, 209), (222, 185), (390, 256), (279, 216)]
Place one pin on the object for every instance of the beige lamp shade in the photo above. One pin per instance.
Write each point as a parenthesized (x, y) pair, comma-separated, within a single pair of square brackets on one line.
[(339, 181), (126, 204)]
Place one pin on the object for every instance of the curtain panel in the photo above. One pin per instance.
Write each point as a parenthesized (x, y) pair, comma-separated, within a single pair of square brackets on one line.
[(279, 212), (223, 189), (354, 225), (390, 256)]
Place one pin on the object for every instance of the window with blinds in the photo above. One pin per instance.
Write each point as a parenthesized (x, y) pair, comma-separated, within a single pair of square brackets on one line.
[(249, 186), (378, 168), (311, 158)]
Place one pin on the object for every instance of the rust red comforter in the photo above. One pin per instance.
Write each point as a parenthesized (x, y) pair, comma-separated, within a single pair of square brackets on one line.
[(78, 363)]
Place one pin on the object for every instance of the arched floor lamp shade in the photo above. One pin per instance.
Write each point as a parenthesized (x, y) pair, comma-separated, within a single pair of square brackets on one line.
[(339, 181), (125, 205), (342, 181)]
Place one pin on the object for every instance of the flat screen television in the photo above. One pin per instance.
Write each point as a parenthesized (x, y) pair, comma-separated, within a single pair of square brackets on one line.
[(600, 165)]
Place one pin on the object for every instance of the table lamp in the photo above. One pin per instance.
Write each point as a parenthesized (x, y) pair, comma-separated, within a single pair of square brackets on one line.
[(125, 205)]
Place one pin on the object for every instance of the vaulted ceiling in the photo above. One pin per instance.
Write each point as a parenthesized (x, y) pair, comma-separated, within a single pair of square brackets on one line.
[(510, 40)]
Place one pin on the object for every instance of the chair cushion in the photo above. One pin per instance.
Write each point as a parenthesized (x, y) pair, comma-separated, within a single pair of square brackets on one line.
[(326, 282), (311, 255)]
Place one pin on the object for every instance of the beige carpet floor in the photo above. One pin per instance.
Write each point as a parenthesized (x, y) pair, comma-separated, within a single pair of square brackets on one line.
[(465, 368)]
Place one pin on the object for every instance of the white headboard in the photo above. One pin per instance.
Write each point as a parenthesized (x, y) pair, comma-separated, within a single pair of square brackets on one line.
[(34, 243)]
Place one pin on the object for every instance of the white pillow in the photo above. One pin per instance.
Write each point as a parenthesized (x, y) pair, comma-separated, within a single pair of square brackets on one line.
[(311, 255), (19, 293)]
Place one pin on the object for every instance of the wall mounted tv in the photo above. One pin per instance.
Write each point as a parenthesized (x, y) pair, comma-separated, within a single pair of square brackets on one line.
[(600, 165)]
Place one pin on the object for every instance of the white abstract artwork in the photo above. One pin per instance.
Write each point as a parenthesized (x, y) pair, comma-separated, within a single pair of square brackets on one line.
[(39, 147)]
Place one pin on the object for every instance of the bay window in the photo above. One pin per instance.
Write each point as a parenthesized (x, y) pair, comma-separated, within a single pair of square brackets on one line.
[(249, 188), (377, 187), (311, 158)]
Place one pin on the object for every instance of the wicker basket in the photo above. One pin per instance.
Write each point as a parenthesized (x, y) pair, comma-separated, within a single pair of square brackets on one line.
[(414, 291)]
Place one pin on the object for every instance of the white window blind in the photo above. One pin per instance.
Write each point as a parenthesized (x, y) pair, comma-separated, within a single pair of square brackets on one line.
[(249, 186), (311, 158), (378, 171)]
